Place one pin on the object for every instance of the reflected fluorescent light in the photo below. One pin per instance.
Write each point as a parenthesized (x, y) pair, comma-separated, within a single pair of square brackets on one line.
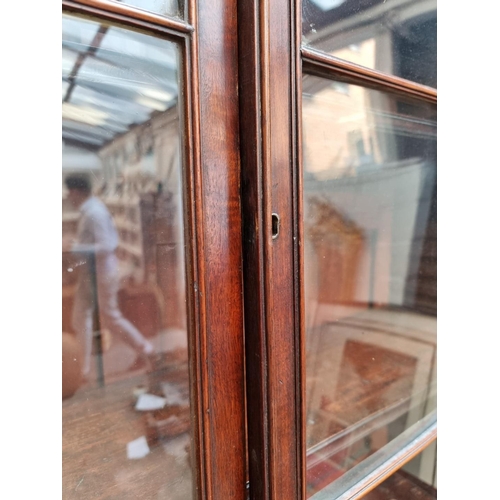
[(160, 95), (327, 4), (67, 66), (83, 114), (65, 86), (151, 103)]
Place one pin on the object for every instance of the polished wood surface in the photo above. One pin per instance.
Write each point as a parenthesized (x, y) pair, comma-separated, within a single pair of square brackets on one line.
[(255, 224), (217, 207), (322, 64), (126, 13), (266, 132), (268, 114)]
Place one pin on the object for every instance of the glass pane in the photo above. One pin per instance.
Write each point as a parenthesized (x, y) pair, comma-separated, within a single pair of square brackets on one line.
[(370, 271), (415, 481), (164, 7), (125, 408), (424, 466), (398, 38), (77, 34)]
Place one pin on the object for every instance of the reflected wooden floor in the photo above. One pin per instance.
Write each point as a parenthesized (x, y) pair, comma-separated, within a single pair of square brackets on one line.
[(97, 425)]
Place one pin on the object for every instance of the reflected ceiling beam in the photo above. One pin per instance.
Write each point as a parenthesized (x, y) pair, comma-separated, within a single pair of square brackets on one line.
[(92, 49), (125, 96), (121, 60), (107, 123), (82, 138), (77, 143), (70, 47)]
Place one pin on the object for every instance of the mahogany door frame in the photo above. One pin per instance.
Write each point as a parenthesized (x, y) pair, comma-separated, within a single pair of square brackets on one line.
[(271, 63), (211, 192), (242, 64), (269, 68)]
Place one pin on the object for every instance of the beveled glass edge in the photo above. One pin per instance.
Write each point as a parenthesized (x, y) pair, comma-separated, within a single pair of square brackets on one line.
[(368, 474)]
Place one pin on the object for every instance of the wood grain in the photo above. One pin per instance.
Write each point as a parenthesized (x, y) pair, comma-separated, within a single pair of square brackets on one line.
[(320, 63), (216, 196), (130, 19), (130, 15), (261, 41), (268, 141), (254, 269)]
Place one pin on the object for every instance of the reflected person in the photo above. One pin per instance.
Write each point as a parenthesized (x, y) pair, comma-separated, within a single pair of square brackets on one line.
[(97, 234)]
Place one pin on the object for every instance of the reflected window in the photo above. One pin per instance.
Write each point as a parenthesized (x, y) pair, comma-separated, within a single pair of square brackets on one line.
[(395, 38)]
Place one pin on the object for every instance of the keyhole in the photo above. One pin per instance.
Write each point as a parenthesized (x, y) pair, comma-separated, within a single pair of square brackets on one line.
[(275, 225)]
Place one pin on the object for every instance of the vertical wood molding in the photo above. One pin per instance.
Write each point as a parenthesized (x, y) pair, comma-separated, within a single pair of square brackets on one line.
[(268, 66), (254, 228), (218, 208)]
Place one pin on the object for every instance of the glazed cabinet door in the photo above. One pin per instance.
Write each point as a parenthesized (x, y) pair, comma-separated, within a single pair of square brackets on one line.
[(153, 358), (339, 169), (249, 247)]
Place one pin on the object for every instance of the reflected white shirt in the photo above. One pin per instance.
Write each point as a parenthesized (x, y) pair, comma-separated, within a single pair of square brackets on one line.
[(97, 233)]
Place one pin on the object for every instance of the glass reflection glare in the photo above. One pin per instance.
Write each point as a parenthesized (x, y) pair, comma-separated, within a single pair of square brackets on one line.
[(398, 38), (370, 271), (126, 413), (163, 7)]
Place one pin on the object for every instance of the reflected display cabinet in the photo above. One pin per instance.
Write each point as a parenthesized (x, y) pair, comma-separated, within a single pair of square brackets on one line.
[(249, 261)]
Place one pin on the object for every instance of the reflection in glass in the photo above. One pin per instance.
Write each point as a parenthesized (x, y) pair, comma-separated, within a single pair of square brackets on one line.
[(370, 271), (126, 415), (424, 466), (163, 7), (397, 38), (415, 481)]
